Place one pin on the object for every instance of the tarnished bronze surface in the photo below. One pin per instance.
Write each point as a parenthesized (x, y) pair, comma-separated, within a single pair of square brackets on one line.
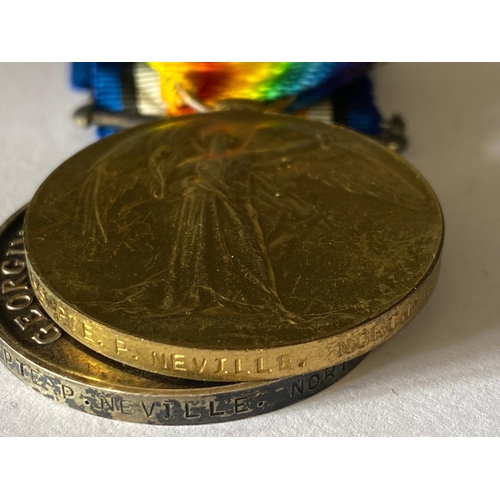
[(234, 245), (47, 359)]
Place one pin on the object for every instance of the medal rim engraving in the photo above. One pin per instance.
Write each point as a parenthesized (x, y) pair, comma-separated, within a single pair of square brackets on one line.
[(237, 364), (158, 406)]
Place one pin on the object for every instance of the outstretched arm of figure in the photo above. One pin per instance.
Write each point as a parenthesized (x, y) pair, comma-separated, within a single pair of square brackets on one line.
[(360, 168), (360, 171)]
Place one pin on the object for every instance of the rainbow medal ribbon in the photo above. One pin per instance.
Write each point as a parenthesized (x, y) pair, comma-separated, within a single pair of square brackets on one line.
[(128, 94)]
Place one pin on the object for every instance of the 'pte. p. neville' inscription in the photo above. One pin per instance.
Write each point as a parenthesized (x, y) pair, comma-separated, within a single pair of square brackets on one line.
[(171, 409), (178, 362)]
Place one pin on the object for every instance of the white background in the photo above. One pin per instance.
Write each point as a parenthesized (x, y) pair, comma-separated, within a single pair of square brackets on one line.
[(440, 376)]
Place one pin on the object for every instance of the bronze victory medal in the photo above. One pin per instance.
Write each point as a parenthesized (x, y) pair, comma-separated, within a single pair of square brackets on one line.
[(234, 245), (47, 359)]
